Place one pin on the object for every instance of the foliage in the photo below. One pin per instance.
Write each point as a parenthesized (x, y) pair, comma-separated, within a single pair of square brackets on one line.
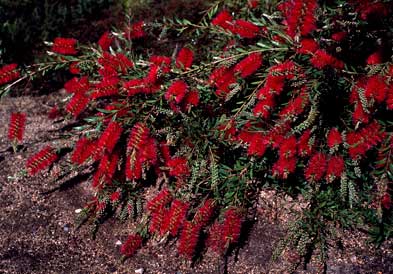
[(293, 95)]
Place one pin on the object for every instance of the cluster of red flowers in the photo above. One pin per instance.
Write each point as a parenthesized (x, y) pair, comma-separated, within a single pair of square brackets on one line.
[(105, 41), (16, 127), (243, 28), (65, 46), (8, 73), (41, 160), (299, 16), (132, 244)]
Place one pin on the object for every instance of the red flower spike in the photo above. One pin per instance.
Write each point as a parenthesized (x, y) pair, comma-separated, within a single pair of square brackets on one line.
[(74, 69), (304, 147), (224, 20), (138, 136), (374, 59), (131, 245), (249, 65), (283, 167), (389, 98), (8, 73), (115, 197), (184, 58), (53, 113), (359, 115), (215, 240), (376, 88), (163, 198), (41, 160), (175, 218), (16, 126), (322, 59), (165, 152), (316, 167), (386, 201), (64, 46), (77, 104), (82, 151), (253, 3), (176, 91), (188, 240), (231, 226), (136, 31), (191, 100), (77, 85), (107, 87), (258, 145), (288, 148), (163, 62), (178, 167), (204, 213), (109, 137), (245, 29), (300, 17), (105, 41), (363, 140), (334, 138), (158, 219), (335, 168), (307, 46), (339, 36)]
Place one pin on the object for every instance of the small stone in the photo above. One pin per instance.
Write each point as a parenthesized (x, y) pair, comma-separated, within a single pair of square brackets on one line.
[(118, 242), (139, 271), (77, 211), (66, 228)]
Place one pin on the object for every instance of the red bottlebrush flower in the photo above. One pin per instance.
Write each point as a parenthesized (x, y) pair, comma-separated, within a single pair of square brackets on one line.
[(335, 168), (366, 9), (253, 3), (365, 139), (163, 198), (105, 40), (133, 167), (77, 104), (132, 244), (300, 17), (376, 88), (322, 59), (106, 170), (74, 69), (229, 129), (288, 148), (389, 98), (191, 99), (123, 62), (118, 62), (188, 240), (115, 197), (108, 72), (295, 106), (157, 221), (231, 226), (165, 151), (137, 86), (284, 166), (178, 167), (307, 46), (258, 145), (41, 160), (16, 126), (249, 65), (215, 239), (334, 138), (8, 73), (163, 62), (305, 144), (316, 167), (53, 113), (184, 58), (176, 91), (152, 76), (82, 151), (224, 20), (263, 107), (374, 59), (138, 136), (222, 78), (204, 213), (136, 30), (359, 115), (109, 137), (107, 87), (64, 46), (76, 85), (148, 152), (175, 218), (245, 29), (339, 36), (386, 201)]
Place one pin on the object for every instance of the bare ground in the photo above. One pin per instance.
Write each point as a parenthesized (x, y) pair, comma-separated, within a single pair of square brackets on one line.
[(38, 235)]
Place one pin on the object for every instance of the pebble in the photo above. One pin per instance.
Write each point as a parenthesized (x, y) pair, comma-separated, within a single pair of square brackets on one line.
[(77, 211), (118, 242), (139, 271)]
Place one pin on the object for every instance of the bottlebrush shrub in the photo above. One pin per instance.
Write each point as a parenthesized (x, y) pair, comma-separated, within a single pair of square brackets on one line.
[(250, 96)]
